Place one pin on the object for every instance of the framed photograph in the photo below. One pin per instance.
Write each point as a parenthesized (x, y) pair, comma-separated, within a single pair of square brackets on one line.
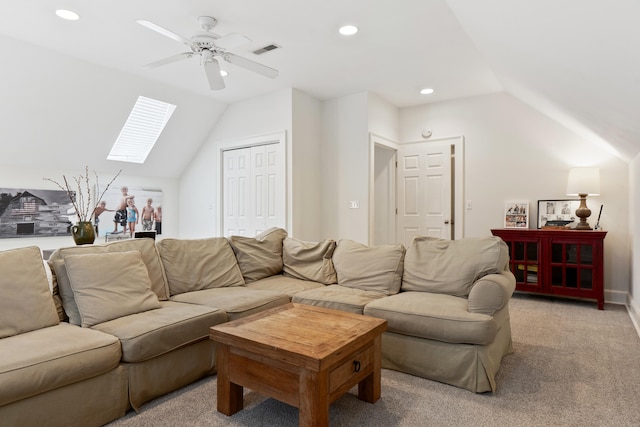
[(516, 214), (557, 213)]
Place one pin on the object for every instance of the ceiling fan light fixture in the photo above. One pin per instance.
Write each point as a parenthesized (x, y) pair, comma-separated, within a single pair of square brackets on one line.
[(348, 30), (69, 15)]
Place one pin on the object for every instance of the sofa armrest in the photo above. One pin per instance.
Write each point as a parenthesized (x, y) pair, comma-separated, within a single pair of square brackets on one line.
[(492, 292)]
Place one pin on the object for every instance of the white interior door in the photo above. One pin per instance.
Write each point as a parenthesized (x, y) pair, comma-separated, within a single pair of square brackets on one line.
[(424, 191), (236, 192), (254, 193)]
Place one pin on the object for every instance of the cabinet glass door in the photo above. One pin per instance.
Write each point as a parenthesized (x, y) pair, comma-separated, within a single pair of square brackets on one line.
[(524, 262), (572, 266)]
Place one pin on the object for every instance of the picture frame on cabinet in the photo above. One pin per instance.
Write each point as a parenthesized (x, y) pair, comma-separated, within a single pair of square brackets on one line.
[(516, 214), (558, 213)]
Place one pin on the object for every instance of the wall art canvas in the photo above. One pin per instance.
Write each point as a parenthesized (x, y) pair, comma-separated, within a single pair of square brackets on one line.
[(111, 222), (35, 213)]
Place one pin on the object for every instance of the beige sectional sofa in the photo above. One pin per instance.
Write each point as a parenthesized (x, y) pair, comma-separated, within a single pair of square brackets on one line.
[(100, 329)]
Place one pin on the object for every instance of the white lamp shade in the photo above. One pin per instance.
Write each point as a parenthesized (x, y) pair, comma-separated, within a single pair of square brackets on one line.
[(584, 181)]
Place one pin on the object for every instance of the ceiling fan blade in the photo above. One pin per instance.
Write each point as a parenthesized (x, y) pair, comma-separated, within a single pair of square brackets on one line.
[(169, 60), (231, 41), (212, 70), (168, 33), (251, 65)]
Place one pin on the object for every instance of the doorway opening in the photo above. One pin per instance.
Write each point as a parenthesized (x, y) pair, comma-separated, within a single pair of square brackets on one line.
[(416, 188)]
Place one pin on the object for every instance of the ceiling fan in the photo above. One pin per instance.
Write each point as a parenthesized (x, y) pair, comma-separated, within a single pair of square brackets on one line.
[(209, 46)]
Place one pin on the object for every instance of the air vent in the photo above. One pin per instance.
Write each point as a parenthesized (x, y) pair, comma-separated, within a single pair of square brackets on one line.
[(265, 49)]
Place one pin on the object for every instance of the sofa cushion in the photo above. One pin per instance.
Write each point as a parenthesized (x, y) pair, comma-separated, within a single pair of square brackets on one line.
[(146, 247), (193, 265), (45, 359), (370, 268), (152, 333), (110, 285), (451, 266), (150, 257), (261, 256), (309, 260), (338, 297), (432, 316), (26, 303), (235, 301), (284, 284)]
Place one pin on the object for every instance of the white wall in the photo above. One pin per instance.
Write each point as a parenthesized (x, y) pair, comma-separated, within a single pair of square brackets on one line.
[(512, 152), (345, 167), (384, 118), (347, 160), (199, 184), (634, 235), (305, 169), (21, 178)]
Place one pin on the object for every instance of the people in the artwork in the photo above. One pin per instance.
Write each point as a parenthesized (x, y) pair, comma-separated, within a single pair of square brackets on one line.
[(566, 209), (133, 216), (121, 213), (102, 207), (148, 215), (157, 217)]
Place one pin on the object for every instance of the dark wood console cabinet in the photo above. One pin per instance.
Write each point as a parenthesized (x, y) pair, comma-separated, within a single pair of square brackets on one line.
[(565, 263)]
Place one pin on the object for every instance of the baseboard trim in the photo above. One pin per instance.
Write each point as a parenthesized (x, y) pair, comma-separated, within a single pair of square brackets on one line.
[(616, 297), (634, 313)]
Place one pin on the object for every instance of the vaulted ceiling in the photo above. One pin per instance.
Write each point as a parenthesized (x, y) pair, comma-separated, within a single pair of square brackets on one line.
[(573, 60)]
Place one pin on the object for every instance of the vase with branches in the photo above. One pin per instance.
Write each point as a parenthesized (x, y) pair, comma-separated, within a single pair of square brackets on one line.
[(78, 189)]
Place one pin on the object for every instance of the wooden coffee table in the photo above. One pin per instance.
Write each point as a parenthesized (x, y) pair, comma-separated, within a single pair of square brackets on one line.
[(299, 354)]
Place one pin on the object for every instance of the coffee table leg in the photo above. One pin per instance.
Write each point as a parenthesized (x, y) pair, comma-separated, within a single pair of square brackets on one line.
[(314, 399), (229, 394), (369, 389)]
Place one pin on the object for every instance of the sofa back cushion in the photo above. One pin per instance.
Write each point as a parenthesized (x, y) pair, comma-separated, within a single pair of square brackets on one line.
[(150, 257), (110, 285), (26, 303), (194, 265), (261, 256), (451, 266), (371, 268), (309, 260)]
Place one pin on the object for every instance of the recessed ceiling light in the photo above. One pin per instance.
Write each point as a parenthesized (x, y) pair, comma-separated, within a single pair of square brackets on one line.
[(67, 14), (348, 30), (223, 73), (426, 91)]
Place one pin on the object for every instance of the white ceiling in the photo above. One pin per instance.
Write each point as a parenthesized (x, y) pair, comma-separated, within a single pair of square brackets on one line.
[(574, 60)]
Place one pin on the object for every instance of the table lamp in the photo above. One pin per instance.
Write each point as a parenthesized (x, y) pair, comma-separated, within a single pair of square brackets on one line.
[(583, 182)]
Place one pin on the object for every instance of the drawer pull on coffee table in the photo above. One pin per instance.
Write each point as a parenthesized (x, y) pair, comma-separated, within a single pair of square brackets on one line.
[(356, 366)]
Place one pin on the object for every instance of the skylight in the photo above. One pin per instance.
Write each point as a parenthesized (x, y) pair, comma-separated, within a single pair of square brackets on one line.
[(141, 130)]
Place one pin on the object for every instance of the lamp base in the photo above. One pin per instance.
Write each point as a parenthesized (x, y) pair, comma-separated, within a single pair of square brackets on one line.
[(583, 212)]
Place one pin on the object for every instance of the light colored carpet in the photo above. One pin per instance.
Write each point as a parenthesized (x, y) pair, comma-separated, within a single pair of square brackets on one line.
[(573, 365)]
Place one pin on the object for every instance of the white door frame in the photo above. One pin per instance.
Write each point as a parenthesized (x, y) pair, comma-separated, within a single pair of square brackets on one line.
[(251, 141), (457, 186)]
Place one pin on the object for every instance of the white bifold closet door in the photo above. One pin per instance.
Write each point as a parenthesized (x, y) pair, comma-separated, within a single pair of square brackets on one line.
[(253, 189)]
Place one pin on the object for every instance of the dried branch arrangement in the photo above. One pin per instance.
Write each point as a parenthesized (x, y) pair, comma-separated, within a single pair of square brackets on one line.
[(79, 191)]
